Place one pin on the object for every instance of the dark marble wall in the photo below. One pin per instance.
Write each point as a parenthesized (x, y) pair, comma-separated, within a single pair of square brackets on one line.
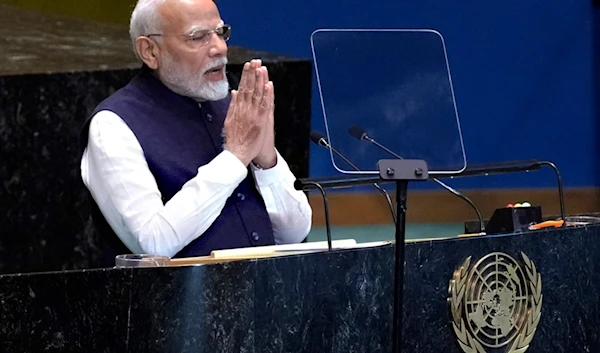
[(53, 71), (43, 209), (327, 302)]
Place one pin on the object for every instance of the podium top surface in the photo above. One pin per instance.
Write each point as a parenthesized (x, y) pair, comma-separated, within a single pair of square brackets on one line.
[(296, 252)]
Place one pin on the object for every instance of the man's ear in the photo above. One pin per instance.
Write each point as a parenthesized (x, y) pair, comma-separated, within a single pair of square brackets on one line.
[(147, 51)]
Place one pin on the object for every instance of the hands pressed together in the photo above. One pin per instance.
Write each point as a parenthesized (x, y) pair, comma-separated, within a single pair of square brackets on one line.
[(249, 126)]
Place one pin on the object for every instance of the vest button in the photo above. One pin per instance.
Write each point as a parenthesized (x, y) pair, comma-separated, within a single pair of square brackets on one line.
[(255, 236), (209, 117), (241, 196)]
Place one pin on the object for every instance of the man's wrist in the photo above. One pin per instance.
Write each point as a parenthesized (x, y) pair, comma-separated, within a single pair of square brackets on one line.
[(241, 156), (265, 163)]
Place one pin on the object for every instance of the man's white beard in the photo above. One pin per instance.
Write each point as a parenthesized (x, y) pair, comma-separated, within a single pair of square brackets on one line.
[(193, 83)]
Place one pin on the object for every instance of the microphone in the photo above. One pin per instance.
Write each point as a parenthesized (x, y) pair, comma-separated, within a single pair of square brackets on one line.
[(320, 140), (360, 134)]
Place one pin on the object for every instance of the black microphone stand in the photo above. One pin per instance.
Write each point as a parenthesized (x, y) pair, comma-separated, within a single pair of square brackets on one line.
[(326, 208), (401, 171), (376, 185), (319, 140)]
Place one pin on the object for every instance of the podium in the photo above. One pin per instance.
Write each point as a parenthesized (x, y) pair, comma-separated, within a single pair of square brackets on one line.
[(339, 301)]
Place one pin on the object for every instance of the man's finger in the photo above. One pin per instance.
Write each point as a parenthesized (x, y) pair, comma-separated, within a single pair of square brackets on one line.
[(250, 81), (266, 74), (233, 102), (243, 80), (272, 92), (264, 104), (259, 86), (270, 95)]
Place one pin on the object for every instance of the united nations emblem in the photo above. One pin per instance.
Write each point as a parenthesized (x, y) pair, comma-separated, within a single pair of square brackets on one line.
[(496, 304)]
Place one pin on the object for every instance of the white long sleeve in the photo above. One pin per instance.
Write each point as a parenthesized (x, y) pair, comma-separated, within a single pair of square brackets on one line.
[(288, 208), (115, 171)]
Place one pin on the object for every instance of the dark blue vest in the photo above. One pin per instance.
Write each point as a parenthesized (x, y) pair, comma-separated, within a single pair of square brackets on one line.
[(178, 136)]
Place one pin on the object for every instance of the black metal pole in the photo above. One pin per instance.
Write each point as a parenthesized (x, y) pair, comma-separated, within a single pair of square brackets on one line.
[(401, 195), (326, 208)]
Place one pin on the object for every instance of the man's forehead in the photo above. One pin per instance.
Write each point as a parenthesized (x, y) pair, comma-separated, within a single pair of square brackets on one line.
[(184, 15)]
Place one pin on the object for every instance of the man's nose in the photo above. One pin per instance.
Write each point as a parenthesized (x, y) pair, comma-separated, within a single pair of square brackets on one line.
[(218, 46)]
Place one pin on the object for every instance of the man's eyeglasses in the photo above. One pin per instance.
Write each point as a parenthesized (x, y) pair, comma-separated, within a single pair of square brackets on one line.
[(201, 37)]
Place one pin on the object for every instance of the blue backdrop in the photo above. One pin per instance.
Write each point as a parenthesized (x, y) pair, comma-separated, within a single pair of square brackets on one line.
[(523, 73)]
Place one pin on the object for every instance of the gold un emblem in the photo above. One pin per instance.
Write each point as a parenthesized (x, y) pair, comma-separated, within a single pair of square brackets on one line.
[(496, 304)]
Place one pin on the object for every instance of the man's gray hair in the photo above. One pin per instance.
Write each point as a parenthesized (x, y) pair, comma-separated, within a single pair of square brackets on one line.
[(144, 20)]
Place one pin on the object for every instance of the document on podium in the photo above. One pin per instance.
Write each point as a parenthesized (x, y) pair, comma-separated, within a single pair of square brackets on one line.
[(273, 251)]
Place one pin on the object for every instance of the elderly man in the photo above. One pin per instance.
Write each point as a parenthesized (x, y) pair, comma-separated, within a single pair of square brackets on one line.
[(176, 164)]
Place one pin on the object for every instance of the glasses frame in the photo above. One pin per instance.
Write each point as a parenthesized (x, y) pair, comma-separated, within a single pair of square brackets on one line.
[(225, 34)]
